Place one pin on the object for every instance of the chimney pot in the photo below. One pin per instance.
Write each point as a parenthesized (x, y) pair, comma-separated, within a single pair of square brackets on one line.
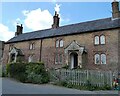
[(55, 20), (115, 9), (19, 30)]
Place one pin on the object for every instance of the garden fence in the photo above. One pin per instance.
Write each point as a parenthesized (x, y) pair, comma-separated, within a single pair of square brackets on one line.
[(82, 77)]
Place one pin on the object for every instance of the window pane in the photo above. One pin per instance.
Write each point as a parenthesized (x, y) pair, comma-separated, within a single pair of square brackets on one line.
[(61, 43), (57, 43), (33, 46), (97, 59), (30, 47), (30, 58), (56, 58), (102, 39), (60, 58), (103, 59), (96, 39)]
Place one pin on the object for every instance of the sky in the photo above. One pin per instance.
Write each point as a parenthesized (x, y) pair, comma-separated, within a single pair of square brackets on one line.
[(39, 15)]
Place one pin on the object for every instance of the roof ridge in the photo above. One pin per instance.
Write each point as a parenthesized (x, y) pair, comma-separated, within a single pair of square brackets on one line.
[(77, 28), (65, 25)]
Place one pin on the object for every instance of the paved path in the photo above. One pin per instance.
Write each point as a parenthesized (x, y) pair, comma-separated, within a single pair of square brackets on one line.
[(13, 87)]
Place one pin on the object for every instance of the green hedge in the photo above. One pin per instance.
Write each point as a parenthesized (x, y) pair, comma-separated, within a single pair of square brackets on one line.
[(28, 72), (17, 71), (36, 73)]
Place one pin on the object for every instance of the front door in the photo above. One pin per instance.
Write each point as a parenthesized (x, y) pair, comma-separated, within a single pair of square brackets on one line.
[(74, 60), (12, 57)]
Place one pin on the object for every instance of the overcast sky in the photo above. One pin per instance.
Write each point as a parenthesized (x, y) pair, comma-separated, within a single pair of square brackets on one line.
[(39, 15)]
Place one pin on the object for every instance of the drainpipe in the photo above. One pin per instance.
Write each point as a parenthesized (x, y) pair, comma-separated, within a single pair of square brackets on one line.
[(40, 50)]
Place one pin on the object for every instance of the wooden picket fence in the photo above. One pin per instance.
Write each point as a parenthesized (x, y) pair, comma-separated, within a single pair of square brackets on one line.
[(82, 77)]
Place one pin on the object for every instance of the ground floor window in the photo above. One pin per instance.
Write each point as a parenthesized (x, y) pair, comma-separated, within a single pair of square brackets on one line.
[(97, 59), (30, 58), (100, 59), (58, 59), (103, 59)]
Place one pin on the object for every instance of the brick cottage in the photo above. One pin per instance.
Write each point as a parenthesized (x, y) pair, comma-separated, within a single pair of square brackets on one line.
[(87, 45)]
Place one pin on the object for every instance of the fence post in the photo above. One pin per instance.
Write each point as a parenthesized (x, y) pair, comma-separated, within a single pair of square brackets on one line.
[(111, 78), (87, 75)]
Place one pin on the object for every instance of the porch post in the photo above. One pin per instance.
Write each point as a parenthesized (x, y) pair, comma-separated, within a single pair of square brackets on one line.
[(80, 60), (15, 57)]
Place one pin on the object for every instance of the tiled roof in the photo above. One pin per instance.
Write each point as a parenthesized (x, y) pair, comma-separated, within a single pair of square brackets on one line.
[(89, 26)]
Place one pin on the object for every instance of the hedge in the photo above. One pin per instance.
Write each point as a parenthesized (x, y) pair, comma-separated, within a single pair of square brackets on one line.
[(28, 72)]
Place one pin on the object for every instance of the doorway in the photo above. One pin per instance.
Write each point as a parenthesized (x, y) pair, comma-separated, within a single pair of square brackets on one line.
[(74, 60), (12, 57)]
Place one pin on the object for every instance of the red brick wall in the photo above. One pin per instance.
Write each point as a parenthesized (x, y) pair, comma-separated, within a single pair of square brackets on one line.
[(49, 50)]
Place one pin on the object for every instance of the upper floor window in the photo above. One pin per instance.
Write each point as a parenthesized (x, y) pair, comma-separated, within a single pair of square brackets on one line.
[(102, 39), (99, 40), (11, 47), (96, 40), (57, 43), (32, 46), (61, 43)]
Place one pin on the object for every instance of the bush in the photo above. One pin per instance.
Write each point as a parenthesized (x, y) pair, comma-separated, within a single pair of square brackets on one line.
[(36, 73), (107, 87), (66, 67), (17, 71), (28, 72), (3, 74)]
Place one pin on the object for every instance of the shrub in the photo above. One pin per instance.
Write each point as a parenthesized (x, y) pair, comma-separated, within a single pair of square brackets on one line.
[(28, 72), (66, 67), (107, 87), (17, 71), (36, 73), (3, 74)]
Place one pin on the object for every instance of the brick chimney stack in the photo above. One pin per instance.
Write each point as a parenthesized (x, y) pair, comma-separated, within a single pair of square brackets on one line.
[(19, 30), (55, 20), (115, 10)]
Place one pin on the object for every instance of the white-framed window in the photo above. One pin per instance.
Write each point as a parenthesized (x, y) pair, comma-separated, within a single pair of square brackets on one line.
[(102, 39), (56, 59), (97, 59), (32, 46), (57, 43), (60, 58), (103, 59), (30, 58), (96, 40), (61, 43)]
